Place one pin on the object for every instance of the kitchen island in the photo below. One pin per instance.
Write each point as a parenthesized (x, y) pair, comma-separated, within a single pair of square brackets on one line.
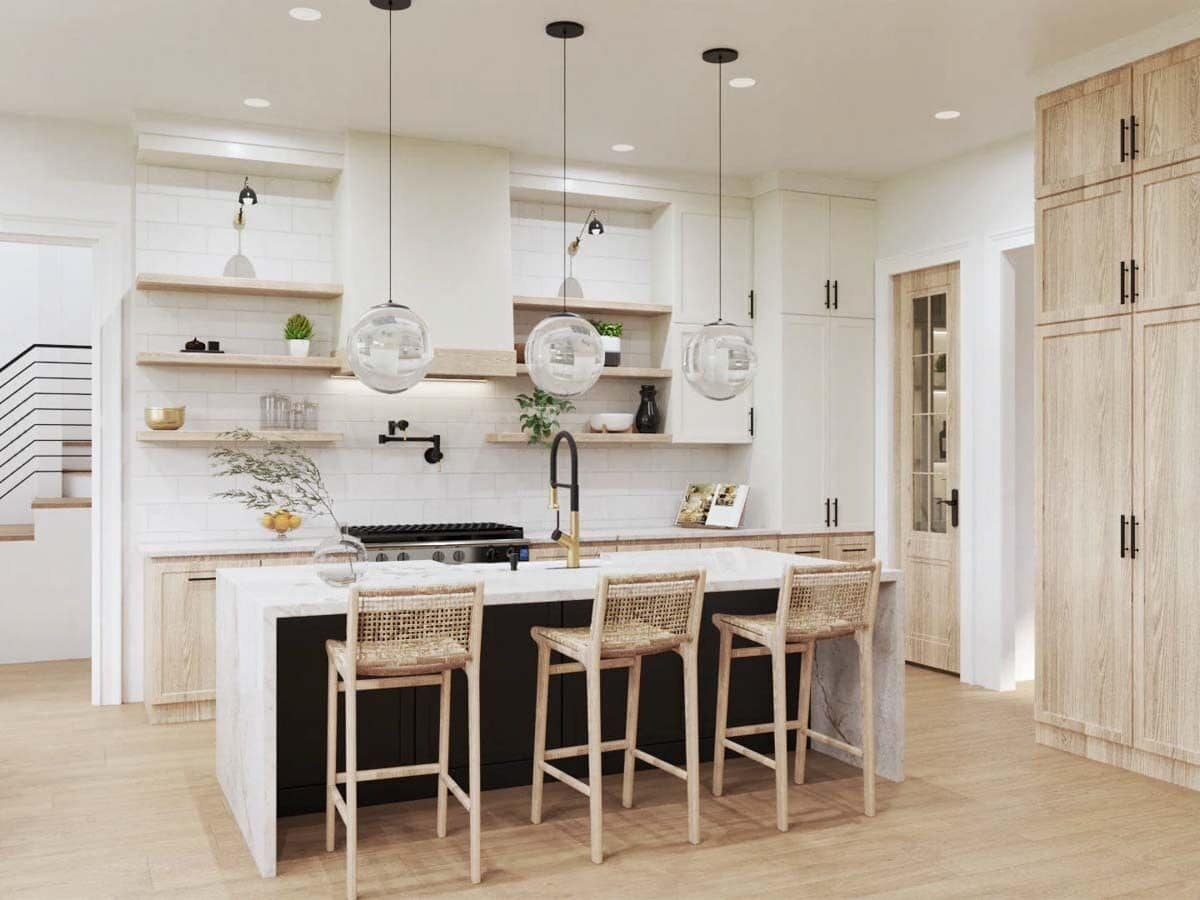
[(272, 624)]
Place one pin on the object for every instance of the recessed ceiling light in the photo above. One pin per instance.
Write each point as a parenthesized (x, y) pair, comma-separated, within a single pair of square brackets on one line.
[(744, 81), (947, 114), (257, 102), (623, 148), (304, 13)]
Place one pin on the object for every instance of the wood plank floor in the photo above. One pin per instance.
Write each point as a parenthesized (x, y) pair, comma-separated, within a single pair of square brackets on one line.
[(95, 803)]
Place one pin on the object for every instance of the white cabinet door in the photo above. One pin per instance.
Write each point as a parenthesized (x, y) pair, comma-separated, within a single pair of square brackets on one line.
[(805, 435), (852, 256), (698, 267), (851, 429), (703, 421), (805, 253)]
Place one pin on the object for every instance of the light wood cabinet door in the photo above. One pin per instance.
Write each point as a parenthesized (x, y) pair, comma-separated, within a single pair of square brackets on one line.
[(698, 267), (804, 545), (1166, 599), (805, 422), (805, 253), (1083, 487), (1084, 250), (1079, 139), (1166, 236), (850, 448), (852, 256), (1166, 102)]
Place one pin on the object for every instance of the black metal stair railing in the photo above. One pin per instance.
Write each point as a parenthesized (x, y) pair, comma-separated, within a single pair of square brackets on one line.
[(37, 394)]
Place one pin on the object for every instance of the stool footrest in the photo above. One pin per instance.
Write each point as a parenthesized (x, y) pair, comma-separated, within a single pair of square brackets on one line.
[(741, 652), (834, 742), (570, 780), (391, 772), (616, 662), (748, 753), (459, 794), (764, 728), (582, 749), (660, 764), (368, 683)]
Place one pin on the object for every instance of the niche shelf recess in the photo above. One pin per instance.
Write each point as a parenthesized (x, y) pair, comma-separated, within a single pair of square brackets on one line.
[(591, 307), (196, 438), (641, 372), (221, 284), (583, 437)]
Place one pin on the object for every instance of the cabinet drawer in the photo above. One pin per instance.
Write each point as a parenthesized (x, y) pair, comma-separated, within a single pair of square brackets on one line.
[(587, 550), (634, 546), (851, 547), (803, 544)]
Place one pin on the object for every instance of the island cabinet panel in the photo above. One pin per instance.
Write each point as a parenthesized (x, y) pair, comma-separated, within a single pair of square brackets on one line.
[(1082, 133), (1166, 594), (1166, 102), (1083, 498)]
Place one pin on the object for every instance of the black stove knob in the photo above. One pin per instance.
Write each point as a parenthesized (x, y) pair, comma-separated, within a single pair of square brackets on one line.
[(380, 557), (438, 556), (491, 554), (402, 556), (459, 556)]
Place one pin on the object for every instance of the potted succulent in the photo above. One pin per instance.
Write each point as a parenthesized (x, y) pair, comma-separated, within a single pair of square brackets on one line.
[(298, 333), (610, 339), (539, 414)]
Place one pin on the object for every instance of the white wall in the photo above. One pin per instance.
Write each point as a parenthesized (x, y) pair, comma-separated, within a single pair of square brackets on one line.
[(1024, 452)]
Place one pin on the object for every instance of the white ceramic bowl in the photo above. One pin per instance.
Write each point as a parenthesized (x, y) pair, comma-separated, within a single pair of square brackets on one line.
[(611, 422)]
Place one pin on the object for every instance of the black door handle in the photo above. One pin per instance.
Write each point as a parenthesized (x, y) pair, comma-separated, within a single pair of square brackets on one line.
[(1123, 547), (835, 293), (1124, 272), (1124, 131), (835, 512), (827, 284), (826, 512), (1133, 270), (1133, 537), (1133, 124), (953, 504)]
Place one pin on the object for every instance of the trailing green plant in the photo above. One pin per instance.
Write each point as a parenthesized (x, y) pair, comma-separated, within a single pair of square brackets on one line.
[(539, 414), (281, 475), (609, 329), (298, 328)]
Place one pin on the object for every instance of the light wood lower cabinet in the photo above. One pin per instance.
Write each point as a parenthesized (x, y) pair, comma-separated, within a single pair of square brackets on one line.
[(750, 543), (587, 550), (839, 547)]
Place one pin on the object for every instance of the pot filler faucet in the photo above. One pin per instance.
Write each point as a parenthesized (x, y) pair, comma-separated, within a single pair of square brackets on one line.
[(570, 541), (432, 456)]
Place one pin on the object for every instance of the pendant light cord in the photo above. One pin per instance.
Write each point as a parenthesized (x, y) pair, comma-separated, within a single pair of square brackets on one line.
[(720, 197), (391, 292), (564, 170)]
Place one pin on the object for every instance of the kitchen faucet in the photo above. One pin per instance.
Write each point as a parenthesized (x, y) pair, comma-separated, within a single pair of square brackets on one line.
[(571, 540)]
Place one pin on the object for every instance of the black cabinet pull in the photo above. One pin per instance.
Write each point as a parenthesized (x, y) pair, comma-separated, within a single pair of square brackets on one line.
[(1133, 124), (202, 578), (1133, 537), (1123, 547), (835, 512), (1124, 272), (827, 284), (835, 293), (1133, 292), (826, 512), (1124, 131)]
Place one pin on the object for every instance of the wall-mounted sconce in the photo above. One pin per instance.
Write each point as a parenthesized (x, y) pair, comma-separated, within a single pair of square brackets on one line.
[(432, 456), (246, 195), (591, 226)]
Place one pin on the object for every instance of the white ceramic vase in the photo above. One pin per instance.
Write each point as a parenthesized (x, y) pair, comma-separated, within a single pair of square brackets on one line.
[(298, 348), (612, 350)]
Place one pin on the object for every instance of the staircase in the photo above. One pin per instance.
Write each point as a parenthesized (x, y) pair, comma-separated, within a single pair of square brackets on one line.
[(45, 434)]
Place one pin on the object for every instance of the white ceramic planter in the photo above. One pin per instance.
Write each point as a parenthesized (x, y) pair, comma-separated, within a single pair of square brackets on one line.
[(298, 348), (612, 350)]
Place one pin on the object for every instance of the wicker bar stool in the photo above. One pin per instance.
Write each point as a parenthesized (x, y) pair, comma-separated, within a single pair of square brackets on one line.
[(404, 637), (815, 603), (633, 616)]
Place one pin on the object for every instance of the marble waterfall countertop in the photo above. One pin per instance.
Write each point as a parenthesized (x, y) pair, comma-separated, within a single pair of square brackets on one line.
[(251, 601)]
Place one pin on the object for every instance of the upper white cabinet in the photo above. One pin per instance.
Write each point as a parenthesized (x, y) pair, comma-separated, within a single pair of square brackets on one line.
[(699, 420), (698, 267), (828, 255)]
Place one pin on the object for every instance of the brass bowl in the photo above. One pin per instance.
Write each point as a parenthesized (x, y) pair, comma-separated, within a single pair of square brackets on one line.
[(165, 418)]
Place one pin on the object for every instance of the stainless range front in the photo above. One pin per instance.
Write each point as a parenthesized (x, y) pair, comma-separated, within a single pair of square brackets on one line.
[(452, 543)]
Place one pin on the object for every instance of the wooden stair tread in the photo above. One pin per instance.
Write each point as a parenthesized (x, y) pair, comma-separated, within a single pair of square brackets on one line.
[(16, 532), (62, 503)]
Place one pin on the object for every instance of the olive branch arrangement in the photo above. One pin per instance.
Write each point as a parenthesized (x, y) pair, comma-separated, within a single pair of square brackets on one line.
[(283, 476)]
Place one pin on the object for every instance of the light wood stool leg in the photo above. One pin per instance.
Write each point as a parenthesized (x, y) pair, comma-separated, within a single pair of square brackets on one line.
[(691, 707), (804, 706), (351, 793), (331, 757), (779, 695), (443, 753), (539, 728), (594, 769), (866, 666), (473, 763), (631, 726), (718, 784)]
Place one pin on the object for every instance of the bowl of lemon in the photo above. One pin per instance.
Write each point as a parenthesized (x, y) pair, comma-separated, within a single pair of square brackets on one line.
[(280, 521)]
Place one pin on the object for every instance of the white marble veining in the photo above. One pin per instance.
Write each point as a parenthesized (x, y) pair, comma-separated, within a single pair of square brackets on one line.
[(250, 601)]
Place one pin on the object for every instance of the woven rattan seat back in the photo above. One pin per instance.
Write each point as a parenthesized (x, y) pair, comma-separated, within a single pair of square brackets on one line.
[(840, 598), (662, 602), (405, 619)]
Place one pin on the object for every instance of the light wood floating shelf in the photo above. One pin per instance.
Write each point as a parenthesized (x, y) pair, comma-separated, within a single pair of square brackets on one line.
[(618, 372), (592, 307), (517, 437), (186, 438), (218, 284), (451, 364), (328, 364)]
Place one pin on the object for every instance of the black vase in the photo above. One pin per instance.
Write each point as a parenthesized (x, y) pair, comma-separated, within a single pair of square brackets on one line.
[(647, 419)]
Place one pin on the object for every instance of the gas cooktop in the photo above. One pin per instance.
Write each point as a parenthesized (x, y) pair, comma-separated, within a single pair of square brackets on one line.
[(436, 533)]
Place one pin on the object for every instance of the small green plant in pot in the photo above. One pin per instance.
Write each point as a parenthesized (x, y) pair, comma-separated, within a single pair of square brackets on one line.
[(610, 339), (298, 332), (539, 414)]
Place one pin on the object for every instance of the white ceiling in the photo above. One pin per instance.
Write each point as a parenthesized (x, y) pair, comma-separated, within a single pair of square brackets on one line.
[(844, 86)]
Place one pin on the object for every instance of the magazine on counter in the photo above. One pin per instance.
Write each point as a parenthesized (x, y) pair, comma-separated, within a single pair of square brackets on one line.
[(713, 505)]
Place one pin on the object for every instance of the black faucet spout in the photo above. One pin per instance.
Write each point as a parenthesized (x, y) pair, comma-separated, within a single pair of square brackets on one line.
[(574, 451)]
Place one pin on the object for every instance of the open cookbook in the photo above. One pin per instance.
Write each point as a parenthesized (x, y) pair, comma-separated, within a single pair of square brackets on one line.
[(713, 505)]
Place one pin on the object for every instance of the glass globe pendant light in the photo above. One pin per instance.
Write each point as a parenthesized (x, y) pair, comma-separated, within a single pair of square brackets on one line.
[(719, 360), (389, 347), (563, 351)]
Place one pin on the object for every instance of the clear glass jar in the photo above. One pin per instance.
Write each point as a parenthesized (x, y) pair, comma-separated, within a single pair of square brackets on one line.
[(341, 560)]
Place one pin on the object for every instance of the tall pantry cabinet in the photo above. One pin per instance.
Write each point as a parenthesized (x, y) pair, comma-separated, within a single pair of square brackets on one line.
[(1118, 417)]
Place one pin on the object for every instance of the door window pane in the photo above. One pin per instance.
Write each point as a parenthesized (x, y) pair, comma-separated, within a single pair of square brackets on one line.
[(920, 503), (938, 511), (920, 433), (939, 440), (920, 384), (920, 325)]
